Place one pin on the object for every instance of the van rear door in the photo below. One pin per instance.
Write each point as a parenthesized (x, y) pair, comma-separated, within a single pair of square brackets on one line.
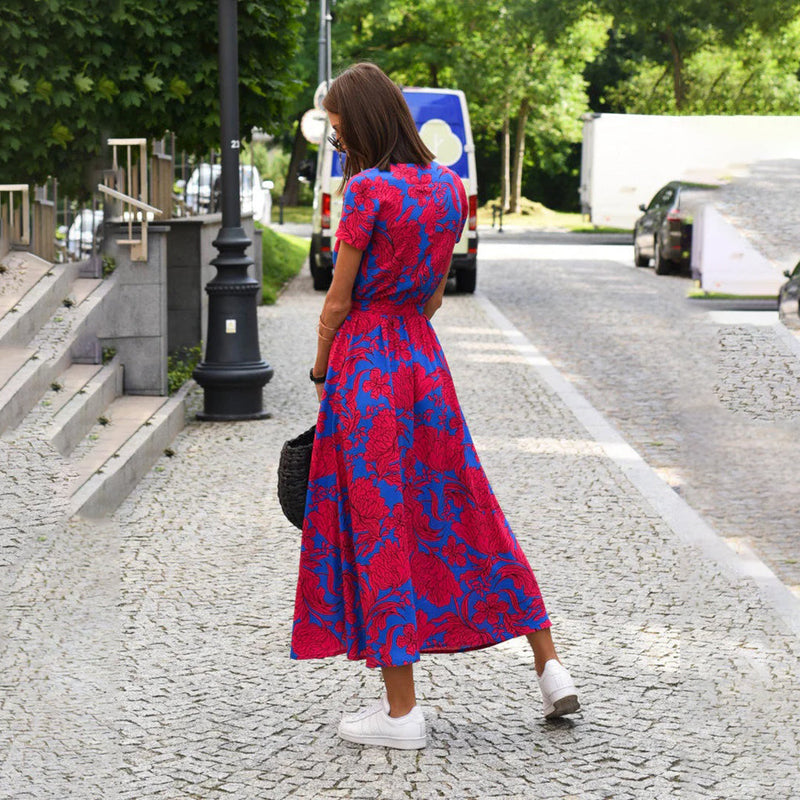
[(442, 119)]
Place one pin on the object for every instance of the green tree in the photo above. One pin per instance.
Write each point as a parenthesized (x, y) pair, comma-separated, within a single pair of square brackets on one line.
[(519, 63), (73, 74), (670, 40), (758, 74), (417, 42), (523, 62)]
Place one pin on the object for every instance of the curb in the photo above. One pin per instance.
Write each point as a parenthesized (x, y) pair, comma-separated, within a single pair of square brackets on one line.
[(685, 522)]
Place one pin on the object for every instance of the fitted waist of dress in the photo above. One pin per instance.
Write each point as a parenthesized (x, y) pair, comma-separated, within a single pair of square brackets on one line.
[(386, 308)]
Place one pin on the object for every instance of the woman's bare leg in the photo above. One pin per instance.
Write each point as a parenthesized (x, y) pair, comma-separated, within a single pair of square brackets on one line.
[(399, 683), (541, 643)]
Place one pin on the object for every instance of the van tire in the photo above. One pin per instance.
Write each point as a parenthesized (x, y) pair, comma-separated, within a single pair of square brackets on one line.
[(466, 280), (312, 259), (322, 278)]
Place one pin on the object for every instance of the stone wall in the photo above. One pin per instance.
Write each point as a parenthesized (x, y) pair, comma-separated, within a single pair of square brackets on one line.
[(134, 321), (189, 253), (160, 306)]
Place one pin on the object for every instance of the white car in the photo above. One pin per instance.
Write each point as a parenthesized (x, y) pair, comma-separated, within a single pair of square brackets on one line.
[(82, 232), (203, 186)]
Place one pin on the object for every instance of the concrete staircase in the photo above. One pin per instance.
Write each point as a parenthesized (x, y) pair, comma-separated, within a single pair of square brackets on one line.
[(59, 386)]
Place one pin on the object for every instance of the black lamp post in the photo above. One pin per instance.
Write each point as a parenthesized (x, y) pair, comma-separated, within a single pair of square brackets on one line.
[(232, 374)]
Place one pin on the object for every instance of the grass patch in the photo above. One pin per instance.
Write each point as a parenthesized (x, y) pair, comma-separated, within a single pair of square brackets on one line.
[(295, 214), (588, 228), (536, 216), (697, 293), (283, 257)]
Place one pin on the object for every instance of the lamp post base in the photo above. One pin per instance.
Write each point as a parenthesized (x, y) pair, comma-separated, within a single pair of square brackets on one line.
[(231, 404), (232, 393), (202, 416)]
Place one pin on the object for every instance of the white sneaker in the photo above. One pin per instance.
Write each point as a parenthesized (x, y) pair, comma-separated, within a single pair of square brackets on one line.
[(373, 725), (558, 691)]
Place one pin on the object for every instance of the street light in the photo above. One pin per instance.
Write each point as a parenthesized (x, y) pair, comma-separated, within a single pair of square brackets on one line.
[(232, 374)]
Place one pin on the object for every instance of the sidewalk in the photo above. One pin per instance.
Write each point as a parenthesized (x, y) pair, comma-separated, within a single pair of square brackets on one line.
[(147, 656)]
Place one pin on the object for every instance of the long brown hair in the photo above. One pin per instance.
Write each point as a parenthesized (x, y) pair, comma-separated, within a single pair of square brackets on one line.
[(376, 125)]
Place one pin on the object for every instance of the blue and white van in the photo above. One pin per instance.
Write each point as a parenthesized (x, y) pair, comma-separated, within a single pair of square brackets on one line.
[(442, 119)]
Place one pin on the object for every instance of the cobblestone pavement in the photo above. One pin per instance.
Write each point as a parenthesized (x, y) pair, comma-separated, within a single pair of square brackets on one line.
[(761, 206), (711, 402), (146, 656)]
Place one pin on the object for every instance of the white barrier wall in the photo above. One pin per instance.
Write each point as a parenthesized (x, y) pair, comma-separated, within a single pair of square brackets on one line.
[(627, 158), (726, 262)]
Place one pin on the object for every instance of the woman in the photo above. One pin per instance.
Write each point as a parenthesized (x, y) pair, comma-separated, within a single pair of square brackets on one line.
[(405, 549)]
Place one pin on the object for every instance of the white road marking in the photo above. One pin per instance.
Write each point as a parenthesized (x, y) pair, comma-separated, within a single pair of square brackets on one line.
[(687, 524)]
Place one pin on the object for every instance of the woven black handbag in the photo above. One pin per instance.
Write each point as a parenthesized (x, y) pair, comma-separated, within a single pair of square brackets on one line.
[(293, 468)]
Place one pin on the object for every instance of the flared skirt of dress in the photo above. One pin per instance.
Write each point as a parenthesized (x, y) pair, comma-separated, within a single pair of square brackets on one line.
[(404, 548)]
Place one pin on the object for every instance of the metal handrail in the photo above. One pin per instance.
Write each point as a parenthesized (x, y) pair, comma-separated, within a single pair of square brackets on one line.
[(126, 198), (11, 188), (138, 246)]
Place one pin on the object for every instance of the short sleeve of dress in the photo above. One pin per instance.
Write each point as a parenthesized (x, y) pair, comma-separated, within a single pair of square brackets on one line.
[(359, 211)]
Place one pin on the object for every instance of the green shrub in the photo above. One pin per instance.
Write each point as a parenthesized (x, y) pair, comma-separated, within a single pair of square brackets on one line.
[(299, 214), (180, 366)]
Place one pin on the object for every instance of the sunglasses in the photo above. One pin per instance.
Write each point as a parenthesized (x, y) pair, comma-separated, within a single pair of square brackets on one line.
[(336, 143)]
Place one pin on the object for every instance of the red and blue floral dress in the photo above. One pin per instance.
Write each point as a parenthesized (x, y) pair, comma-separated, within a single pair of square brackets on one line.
[(405, 549)]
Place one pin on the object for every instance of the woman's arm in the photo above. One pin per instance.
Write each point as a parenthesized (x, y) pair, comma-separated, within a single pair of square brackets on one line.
[(336, 306), (435, 300)]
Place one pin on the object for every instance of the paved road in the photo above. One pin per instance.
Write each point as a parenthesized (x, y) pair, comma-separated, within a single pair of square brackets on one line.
[(145, 658), (709, 399)]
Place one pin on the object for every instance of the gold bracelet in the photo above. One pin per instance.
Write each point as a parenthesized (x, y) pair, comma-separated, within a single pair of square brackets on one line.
[(327, 328), (324, 338)]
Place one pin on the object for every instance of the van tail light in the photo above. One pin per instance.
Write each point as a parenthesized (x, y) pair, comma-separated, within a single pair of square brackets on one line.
[(473, 212), (674, 216), (326, 211)]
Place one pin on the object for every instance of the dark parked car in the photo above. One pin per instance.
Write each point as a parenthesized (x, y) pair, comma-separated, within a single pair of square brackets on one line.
[(789, 299), (664, 231)]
